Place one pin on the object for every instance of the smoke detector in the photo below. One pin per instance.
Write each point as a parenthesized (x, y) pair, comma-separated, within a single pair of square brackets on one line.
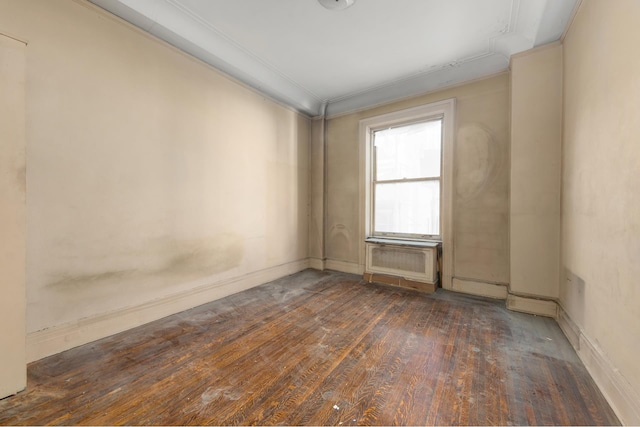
[(336, 4)]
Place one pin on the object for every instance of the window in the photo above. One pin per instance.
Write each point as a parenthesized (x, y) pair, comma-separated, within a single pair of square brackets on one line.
[(409, 194), (406, 177), (406, 180)]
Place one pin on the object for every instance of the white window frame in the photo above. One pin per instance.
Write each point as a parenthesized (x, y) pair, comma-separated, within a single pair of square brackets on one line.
[(444, 109)]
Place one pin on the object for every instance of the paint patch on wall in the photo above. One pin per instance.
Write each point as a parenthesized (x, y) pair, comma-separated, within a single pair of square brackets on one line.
[(340, 240), (21, 178), (477, 160), (573, 287)]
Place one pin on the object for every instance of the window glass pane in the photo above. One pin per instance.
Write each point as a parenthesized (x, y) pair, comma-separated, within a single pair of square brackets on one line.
[(408, 208), (411, 151)]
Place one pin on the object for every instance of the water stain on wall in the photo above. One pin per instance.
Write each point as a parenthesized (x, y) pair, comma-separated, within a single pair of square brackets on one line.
[(21, 178), (69, 281), (574, 287), (315, 238), (477, 160), (481, 205), (206, 257), (340, 240), (183, 259)]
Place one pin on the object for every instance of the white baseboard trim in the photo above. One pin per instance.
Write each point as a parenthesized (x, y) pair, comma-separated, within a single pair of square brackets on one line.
[(345, 267), (316, 264), (482, 289), (513, 302), (56, 339), (535, 306), (623, 398), (569, 328)]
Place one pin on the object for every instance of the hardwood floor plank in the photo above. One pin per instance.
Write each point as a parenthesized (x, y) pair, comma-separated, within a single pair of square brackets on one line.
[(359, 376), (321, 395), (320, 361), (320, 348), (408, 400)]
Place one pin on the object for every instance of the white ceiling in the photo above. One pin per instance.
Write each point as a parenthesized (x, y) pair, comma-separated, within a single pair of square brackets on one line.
[(311, 58)]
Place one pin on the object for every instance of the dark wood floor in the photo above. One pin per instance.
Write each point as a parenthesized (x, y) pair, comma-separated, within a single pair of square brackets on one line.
[(320, 348)]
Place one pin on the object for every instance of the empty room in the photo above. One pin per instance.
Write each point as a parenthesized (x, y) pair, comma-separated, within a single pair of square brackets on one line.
[(319, 212)]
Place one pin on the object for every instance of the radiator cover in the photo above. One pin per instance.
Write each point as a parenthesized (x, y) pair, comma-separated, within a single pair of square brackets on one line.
[(417, 262)]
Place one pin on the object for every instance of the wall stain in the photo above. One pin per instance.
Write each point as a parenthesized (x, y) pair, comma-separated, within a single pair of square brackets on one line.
[(71, 281), (315, 238), (21, 179), (183, 259), (340, 241), (215, 256), (477, 160)]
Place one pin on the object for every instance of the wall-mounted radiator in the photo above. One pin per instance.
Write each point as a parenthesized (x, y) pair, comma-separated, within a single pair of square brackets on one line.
[(410, 260)]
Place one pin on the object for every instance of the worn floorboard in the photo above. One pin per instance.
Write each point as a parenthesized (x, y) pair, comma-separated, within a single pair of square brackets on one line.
[(320, 348)]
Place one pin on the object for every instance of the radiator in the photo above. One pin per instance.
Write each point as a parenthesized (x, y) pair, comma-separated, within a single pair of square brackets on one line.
[(411, 262)]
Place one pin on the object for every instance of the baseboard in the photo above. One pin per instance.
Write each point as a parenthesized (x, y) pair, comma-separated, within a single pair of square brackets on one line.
[(316, 264), (535, 306), (623, 398), (345, 267), (56, 339), (483, 289), (513, 302), (569, 328)]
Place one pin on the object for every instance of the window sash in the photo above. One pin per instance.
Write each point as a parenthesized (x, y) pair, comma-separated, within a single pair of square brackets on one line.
[(408, 221), (374, 183)]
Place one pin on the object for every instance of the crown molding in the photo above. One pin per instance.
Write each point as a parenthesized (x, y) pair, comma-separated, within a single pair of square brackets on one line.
[(530, 25), (168, 21)]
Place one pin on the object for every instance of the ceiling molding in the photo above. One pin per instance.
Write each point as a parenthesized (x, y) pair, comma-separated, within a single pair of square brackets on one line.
[(170, 23), (531, 23), (447, 76), (535, 18)]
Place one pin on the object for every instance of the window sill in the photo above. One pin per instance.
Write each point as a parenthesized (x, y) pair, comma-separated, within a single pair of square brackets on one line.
[(403, 242)]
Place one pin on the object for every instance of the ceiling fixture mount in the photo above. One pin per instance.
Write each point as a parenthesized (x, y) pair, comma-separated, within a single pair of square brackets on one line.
[(336, 4)]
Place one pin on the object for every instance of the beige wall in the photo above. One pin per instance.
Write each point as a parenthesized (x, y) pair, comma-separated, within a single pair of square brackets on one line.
[(150, 174), (13, 370), (481, 205), (536, 148), (601, 187)]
